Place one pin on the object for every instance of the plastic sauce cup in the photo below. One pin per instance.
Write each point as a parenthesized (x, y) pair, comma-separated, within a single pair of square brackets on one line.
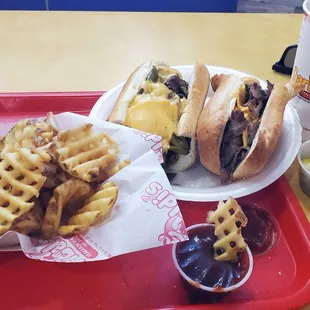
[(304, 176), (205, 292)]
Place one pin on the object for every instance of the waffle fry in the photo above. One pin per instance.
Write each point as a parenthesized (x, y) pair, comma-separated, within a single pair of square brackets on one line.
[(52, 121), (70, 192), (28, 134), (104, 175), (228, 219), (30, 222), (20, 180), (54, 175), (1, 144), (85, 154), (118, 167), (95, 209)]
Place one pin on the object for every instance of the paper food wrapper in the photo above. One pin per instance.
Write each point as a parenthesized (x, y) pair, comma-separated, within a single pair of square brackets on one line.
[(146, 213)]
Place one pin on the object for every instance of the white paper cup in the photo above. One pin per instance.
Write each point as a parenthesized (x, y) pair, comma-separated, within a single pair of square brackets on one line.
[(304, 176), (301, 72), (209, 289)]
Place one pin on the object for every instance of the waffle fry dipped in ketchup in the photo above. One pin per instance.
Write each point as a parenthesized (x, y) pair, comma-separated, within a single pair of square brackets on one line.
[(228, 219)]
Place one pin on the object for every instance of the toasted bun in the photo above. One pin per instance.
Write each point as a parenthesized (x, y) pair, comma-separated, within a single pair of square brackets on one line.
[(129, 90), (213, 119), (198, 86), (215, 115), (186, 161), (198, 90)]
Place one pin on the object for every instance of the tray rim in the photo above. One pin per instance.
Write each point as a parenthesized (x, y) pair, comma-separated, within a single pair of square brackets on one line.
[(53, 94), (302, 294)]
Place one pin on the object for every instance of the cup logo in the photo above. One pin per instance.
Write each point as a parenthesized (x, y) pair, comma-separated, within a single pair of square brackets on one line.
[(298, 78)]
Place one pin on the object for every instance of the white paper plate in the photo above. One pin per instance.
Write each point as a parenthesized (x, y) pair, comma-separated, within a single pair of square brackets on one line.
[(197, 183)]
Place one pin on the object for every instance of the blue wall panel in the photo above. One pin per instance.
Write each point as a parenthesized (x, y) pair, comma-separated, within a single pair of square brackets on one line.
[(22, 5), (142, 5)]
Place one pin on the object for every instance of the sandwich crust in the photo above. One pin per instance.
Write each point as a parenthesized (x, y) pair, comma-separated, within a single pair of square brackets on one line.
[(198, 90)]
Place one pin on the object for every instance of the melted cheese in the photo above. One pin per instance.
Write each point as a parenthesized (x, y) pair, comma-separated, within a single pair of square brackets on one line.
[(240, 96), (245, 138), (153, 115), (152, 111), (165, 72), (247, 116), (183, 102), (241, 99), (156, 89)]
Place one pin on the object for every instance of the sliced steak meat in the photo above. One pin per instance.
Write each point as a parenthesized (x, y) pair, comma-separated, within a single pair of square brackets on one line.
[(269, 87), (257, 92), (256, 107), (252, 130), (224, 175), (236, 156), (228, 150), (236, 124), (231, 146), (253, 111), (178, 86), (258, 99), (241, 155)]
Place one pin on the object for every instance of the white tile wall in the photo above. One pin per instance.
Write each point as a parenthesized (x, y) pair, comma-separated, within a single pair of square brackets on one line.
[(270, 6)]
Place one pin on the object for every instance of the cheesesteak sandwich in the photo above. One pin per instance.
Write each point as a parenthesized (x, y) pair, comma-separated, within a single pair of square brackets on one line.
[(156, 99), (239, 127)]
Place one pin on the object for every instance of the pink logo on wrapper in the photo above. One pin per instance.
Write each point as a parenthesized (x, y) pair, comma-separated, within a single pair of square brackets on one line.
[(63, 250), (174, 229), (155, 140)]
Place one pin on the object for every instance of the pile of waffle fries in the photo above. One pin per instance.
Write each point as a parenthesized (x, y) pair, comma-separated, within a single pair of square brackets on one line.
[(52, 181)]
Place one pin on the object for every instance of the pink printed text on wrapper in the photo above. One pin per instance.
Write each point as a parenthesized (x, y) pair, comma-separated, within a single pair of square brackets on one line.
[(63, 250), (174, 228), (154, 140)]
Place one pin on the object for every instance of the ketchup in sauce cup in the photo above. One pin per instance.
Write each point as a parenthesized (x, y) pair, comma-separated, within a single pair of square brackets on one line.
[(261, 233), (206, 278)]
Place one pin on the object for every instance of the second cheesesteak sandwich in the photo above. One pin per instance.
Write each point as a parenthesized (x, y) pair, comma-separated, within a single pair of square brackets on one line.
[(239, 127)]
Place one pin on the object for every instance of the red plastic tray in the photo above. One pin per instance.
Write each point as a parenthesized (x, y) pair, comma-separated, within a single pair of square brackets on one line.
[(148, 279)]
